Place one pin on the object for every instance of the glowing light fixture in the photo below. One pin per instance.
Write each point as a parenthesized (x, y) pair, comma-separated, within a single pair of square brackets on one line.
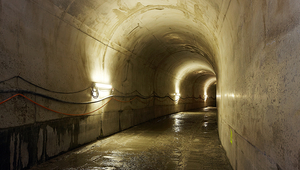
[(103, 86), (95, 93), (205, 96), (100, 89), (177, 96), (207, 84)]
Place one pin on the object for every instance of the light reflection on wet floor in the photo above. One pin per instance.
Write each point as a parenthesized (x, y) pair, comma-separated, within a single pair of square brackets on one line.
[(186, 140)]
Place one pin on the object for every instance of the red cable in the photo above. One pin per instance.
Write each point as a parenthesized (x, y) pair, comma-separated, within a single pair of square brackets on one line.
[(9, 98), (68, 114)]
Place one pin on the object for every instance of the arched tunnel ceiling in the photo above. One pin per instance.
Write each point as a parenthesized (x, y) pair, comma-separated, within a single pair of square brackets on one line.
[(174, 35), (147, 46)]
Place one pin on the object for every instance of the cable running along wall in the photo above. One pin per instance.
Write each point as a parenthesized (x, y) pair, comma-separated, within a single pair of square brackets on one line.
[(138, 97)]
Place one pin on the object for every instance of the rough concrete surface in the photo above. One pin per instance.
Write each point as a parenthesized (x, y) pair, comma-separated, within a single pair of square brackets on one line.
[(152, 53), (186, 140)]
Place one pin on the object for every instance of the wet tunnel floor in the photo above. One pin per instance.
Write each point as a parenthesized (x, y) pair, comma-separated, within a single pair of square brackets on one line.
[(186, 140)]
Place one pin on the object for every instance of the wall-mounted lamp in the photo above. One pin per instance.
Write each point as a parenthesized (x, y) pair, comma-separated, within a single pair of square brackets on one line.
[(205, 97), (177, 96), (95, 92), (100, 89), (102, 86)]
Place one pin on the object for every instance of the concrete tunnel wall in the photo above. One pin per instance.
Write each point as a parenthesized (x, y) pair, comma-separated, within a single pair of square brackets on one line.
[(258, 84), (52, 47), (164, 47)]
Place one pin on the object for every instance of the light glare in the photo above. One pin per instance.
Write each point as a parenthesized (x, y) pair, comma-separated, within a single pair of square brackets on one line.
[(207, 84), (103, 86), (100, 89)]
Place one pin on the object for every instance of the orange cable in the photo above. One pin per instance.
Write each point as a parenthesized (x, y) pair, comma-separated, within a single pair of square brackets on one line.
[(9, 98), (68, 114)]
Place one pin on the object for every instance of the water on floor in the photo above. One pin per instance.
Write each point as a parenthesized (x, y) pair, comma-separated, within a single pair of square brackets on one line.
[(186, 140)]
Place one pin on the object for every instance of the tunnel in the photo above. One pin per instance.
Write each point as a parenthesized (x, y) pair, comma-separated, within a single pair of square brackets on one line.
[(74, 71)]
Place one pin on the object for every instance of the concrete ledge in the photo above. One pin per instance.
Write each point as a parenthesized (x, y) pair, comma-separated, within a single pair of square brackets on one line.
[(27, 145)]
